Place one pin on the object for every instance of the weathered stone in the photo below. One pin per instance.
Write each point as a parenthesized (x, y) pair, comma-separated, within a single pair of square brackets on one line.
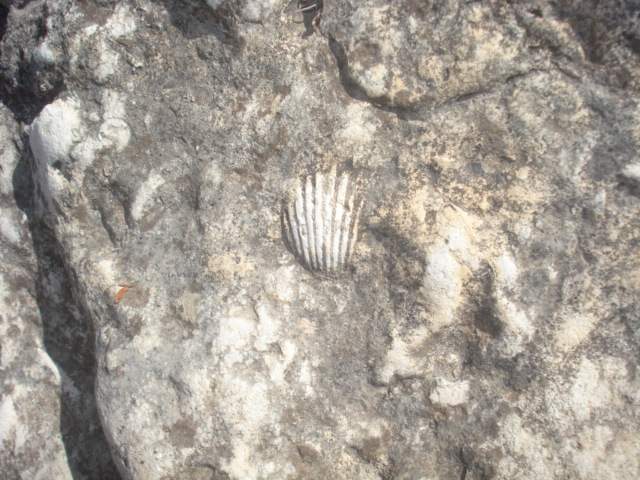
[(487, 326), (31, 444)]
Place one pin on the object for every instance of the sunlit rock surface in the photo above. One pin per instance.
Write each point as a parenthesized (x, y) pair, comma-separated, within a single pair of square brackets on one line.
[(487, 326)]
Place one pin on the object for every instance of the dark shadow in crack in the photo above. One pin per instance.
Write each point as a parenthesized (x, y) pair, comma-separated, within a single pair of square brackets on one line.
[(4, 13), (355, 91), (194, 19), (68, 339), (311, 11)]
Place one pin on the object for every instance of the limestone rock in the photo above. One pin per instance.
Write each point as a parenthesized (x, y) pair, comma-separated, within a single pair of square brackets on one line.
[(30, 442), (490, 307)]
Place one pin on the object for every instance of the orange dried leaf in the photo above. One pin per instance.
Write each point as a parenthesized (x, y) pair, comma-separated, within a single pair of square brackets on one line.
[(121, 293)]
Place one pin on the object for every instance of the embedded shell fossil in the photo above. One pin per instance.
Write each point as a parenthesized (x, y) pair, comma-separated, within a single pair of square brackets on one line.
[(320, 221)]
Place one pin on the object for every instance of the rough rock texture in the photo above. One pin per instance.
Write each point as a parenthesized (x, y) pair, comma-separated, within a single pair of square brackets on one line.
[(49, 426), (31, 445), (488, 327), (48, 419)]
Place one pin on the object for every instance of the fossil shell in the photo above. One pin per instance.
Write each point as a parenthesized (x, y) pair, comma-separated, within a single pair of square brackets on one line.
[(320, 222)]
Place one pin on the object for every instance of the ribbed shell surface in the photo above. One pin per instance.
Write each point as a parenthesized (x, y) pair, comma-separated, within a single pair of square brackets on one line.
[(320, 222)]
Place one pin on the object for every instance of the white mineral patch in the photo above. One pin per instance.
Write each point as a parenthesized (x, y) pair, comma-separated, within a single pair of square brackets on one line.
[(278, 363), (150, 340), (369, 428), (10, 227), (214, 3), (516, 319), (281, 285), (8, 160), (237, 329), (105, 268), (521, 441), (305, 377), (398, 360), (523, 230), (257, 10), (448, 262), (249, 407), (432, 67), (449, 393), (268, 326), (589, 391), (113, 103), (575, 328), (44, 55), (115, 132), (55, 130), (374, 80), (87, 32), (9, 350), (5, 297), (10, 428), (359, 127), (190, 302), (442, 284), (143, 418), (418, 204), (458, 241), (600, 200), (84, 153), (604, 454), (506, 270), (632, 171), (108, 62), (401, 358), (145, 195), (148, 120), (519, 329), (57, 182), (201, 382), (489, 44), (212, 177), (121, 23)]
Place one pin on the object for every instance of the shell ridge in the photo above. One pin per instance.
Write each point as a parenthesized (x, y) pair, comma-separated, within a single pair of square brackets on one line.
[(319, 220), (329, 215), (340, 212), (308, 210), (346, 229), (302, 226), (354, 229)]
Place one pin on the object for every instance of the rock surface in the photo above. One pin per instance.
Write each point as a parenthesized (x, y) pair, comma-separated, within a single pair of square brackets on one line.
[(488, 326), (30, 442), (48, 419)]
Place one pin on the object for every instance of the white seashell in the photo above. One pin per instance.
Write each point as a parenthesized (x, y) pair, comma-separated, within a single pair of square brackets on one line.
[(320, 222)]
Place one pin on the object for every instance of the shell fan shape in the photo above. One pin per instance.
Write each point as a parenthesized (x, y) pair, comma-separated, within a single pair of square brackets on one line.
[(320, 222)]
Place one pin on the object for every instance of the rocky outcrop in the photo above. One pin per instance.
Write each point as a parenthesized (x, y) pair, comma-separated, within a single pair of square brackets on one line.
[(30, 441), (487, 325), (49, 426)]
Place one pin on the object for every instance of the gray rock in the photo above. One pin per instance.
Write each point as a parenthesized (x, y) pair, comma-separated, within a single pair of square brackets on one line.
[(487, 326), (48, 417), (31, 445)]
